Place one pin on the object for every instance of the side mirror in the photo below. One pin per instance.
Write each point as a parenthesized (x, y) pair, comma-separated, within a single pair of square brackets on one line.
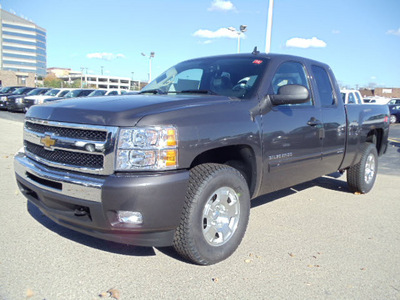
[(290, 94)]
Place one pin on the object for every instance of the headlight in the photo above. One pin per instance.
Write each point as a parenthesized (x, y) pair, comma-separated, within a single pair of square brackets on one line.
[(3, 98), (147, 148), (19, 100)]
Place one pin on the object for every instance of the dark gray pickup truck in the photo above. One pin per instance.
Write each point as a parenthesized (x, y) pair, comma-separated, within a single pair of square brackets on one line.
[(178, 163)]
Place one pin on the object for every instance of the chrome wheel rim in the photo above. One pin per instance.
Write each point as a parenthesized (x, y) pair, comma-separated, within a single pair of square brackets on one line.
[(370, 166), (221, 216), (393, 119)]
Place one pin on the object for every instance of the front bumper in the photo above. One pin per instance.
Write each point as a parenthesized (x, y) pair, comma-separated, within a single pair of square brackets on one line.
[(59, 195), (13, 106)]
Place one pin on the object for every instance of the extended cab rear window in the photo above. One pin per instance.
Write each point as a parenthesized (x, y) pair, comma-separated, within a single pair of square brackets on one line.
[(324, 86)]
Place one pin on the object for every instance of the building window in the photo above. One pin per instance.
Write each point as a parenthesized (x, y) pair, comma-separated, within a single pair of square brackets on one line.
[(21, 80)]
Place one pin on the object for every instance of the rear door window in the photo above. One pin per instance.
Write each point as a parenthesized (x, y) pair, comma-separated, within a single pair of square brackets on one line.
[(352, 99), (324, 86), (359, 100)]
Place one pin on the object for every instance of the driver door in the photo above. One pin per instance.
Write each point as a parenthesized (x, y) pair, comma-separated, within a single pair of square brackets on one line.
[(292, 134)]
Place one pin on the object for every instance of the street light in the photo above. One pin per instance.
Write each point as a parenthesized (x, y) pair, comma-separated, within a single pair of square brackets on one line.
[(150, 57), (242, 29)]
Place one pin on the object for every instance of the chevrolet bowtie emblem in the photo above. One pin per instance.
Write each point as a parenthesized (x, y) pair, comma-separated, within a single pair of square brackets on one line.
[(47, 141)]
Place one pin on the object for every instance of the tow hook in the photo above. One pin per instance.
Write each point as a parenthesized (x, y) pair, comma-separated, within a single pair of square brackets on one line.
[(81, 211)]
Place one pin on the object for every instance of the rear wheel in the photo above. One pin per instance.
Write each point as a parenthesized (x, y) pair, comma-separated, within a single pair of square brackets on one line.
[(215, 214), (361, 177)]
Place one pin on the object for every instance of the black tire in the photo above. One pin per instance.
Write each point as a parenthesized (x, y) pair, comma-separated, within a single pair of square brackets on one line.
[(361, 177), (215, 214), (393, 119)]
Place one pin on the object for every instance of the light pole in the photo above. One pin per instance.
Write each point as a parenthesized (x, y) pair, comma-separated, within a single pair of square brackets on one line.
[(86, 78), (150, 57), (82, 68), (269, 27), (242, 29)]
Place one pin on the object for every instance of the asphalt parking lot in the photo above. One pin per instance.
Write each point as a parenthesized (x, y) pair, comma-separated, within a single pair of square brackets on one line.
[(313, 241)]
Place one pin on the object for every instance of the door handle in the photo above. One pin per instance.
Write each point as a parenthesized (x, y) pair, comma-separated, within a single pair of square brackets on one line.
[(313, 122)]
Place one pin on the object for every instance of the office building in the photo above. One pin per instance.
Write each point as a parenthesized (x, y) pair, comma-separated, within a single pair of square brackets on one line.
[(22, 47)]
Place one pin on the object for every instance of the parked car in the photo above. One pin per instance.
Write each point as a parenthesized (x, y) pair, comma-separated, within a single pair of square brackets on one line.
[(351, 97), (106, 93), (394, 108), (39, 99), (116, 92), (3, 95), (14, 100), (97, 93), (72, 94)]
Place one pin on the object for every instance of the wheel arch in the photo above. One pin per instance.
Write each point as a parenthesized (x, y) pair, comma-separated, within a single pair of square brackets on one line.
[(375, 137), (240, 157)]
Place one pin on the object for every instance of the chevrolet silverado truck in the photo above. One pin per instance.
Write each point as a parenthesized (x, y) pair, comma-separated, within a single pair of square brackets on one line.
[(178, 163)]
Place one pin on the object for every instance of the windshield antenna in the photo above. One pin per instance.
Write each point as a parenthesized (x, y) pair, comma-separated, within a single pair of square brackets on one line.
[(255, 51)]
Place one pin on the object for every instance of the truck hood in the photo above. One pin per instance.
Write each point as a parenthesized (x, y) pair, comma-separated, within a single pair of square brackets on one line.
[(117, 110)]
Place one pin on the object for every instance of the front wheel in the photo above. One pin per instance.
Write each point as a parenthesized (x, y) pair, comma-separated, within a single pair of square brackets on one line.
[(393, 119), (215, 214), (361, 177)]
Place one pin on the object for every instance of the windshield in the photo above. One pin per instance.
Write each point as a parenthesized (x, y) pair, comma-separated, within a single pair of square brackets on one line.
[(18, 91), (97, 93), (35, 92), (63, 93), (52, 92), (72, 94), (227, 76)]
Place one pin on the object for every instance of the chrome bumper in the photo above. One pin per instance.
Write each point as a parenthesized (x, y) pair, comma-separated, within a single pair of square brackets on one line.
[(84, 187)]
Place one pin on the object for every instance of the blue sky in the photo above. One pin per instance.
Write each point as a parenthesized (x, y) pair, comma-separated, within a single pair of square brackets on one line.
[(359, 39)]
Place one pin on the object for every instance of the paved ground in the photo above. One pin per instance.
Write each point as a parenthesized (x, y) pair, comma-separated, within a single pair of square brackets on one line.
[(314, 241)]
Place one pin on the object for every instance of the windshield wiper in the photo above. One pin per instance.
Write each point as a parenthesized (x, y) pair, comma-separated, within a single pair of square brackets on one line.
[(154, 91)]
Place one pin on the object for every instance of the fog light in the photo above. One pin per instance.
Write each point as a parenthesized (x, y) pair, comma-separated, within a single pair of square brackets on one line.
[(129, 217)]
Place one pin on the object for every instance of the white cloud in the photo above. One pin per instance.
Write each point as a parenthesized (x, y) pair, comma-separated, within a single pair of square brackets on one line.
[(220, 33), (394, 32), (305, 43), (221, 5), (335, 31), (105, 56), (206, 42)]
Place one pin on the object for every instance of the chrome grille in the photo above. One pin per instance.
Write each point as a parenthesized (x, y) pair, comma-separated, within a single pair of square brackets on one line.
[(66, 157), (77, 147), (68, 132), (29, 101)]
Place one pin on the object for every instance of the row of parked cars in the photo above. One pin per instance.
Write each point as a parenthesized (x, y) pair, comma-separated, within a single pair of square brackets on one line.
[(17, 98), (354, 97)]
